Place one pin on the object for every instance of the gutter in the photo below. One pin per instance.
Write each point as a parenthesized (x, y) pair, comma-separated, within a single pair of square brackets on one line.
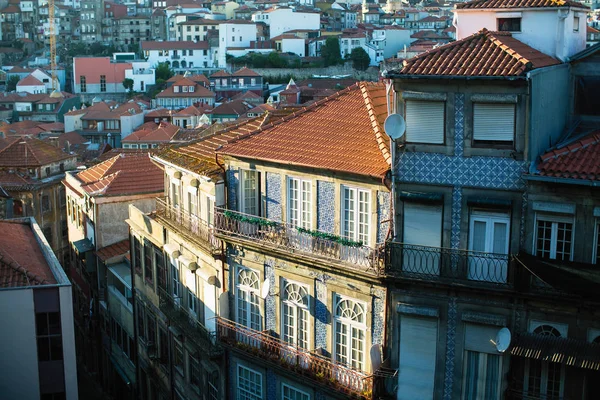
[(567, 181)]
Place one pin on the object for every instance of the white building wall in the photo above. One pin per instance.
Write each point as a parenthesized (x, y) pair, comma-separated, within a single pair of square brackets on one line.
[(198, 58), (234, 35), (547, 30), (43, 77), (295, 46), (19, 376), (68, 341), (141, 72), (285, 19), (130, 123), (33, 89)]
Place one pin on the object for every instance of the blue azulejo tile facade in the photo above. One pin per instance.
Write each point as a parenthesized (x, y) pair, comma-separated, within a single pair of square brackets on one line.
[(325, 206), (273, 196), (321, 314), (383, 215), (378, 316), (270, 301), (232, 185)]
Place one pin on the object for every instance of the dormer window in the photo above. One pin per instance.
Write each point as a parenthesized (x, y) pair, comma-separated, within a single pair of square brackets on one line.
[(191, 89), (184, 89), (176, 89), (575, 24), (509, 24)]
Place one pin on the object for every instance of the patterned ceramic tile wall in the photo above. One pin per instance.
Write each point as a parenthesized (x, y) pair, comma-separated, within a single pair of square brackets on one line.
[(232, 185), (325, 206), (378, 316), (321, 314), (273, 189), (271, 385), (383, 214), (270, 301), (459, 124), (456, 217), (450, 349)]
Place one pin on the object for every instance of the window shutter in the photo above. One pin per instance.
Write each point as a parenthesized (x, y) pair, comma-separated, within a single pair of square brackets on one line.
[(493, 122), (423, 224), (418, 343), (425, 121)]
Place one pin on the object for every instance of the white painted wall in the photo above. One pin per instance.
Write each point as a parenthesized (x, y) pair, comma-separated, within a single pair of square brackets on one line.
[(295, 46), (33, 89), (129, 123), (141, 72), (68, 339), (285, 19), (19, 377), (235, 35), (154, 57), (543, 29)]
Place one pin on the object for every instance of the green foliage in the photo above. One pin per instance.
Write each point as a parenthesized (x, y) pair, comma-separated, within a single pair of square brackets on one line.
[(330, 52), (128, 84), (259, 60), (163, 72), (11, 84), (331, 237), (249, 219), (360, 59)]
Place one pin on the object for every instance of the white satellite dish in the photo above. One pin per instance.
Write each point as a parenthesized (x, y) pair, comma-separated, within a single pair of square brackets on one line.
[(394, 126), (266, 287), (503, 338), (376, 357)]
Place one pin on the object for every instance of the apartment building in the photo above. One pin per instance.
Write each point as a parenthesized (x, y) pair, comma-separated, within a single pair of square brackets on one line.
[(184, 93), (181, 56), (38, 351)]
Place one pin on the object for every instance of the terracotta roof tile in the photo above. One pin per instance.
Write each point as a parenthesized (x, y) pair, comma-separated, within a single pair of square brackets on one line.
[(22, 262), (235, 107), (519, 4), (483, 54), (117, 249), (30, 80), (578, 159), (220, 74), (340, 133), (161, 133), (28, 152), (123, 174), (245, 72)]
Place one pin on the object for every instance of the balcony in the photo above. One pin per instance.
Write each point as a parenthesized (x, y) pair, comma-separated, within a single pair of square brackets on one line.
[(175, 57), (181, 317), (438, 264), (318, 246), (350, 382), (191, 227)]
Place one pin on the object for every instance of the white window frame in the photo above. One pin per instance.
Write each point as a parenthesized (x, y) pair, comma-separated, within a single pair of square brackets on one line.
[(301, 206), (243, 206), (298, 395), (242, 393), (193, 205), (555, 220), (301, 316), (251, 297), (349, 326), (176, 287), (192, 297), (563, 330), (482, 371), (355, 220)]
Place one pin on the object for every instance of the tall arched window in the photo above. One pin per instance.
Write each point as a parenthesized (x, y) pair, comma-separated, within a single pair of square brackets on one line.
[(349, 335), (544, 379), (295, 306), (247, 293)]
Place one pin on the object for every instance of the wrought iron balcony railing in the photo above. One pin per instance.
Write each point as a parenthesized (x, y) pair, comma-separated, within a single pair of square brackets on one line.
[(183, 318), (193, 227), (347, 380), (285, 237), (443, 264)]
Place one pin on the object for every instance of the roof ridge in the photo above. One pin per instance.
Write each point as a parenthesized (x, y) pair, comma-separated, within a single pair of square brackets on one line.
[(507, 49), (375, 122)]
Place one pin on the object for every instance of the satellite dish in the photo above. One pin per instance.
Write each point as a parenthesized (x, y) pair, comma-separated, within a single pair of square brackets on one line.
[(503, 340), (375, 353), (264, 292), (394, 126)]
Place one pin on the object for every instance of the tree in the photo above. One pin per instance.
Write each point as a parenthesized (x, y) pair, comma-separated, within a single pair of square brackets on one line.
[(11, 84), (163, 72), (360, 59), (128, 84), (330, 52)]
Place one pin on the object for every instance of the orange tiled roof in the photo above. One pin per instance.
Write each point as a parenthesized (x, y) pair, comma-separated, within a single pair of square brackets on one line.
[(29, 80), (577, 160), (343, 133), (220, 74), (519, 4), (161, 133), (245, 72), (29, 153), (22, 262), (126, 173), (482, 54), (115, 249)]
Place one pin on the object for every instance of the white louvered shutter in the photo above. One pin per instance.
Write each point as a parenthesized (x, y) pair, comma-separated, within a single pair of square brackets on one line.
[(493, 122), (418, 343), (425, 121)]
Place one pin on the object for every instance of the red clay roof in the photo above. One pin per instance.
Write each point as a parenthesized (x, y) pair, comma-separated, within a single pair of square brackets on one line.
[(220, 74), (22, 262), (126, 173), (171, 45), (343, 133), (234, 107), (30, 80), (245, 72), (482, 54), (519, 4), (161, 133), (577, 160), (117, 249), (199, 90), (29, 153)]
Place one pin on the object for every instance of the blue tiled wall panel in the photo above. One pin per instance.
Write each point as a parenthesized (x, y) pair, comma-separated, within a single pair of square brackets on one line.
[(378, 317), (450, 349), (456, 217), (232, 187), (270, 302), (271, 385), (383, 214), (325, 206), (321, 314), (273, 189), (459, 124)]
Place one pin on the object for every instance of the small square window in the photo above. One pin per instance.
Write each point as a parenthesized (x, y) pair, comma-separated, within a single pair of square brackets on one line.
[(575, 24), (509, 24)]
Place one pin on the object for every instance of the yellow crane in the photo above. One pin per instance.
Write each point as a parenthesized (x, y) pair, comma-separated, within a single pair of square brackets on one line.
[(55, 85)]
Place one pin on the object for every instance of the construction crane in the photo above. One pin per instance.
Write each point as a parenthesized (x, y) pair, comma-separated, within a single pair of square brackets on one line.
[(55, 84)]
